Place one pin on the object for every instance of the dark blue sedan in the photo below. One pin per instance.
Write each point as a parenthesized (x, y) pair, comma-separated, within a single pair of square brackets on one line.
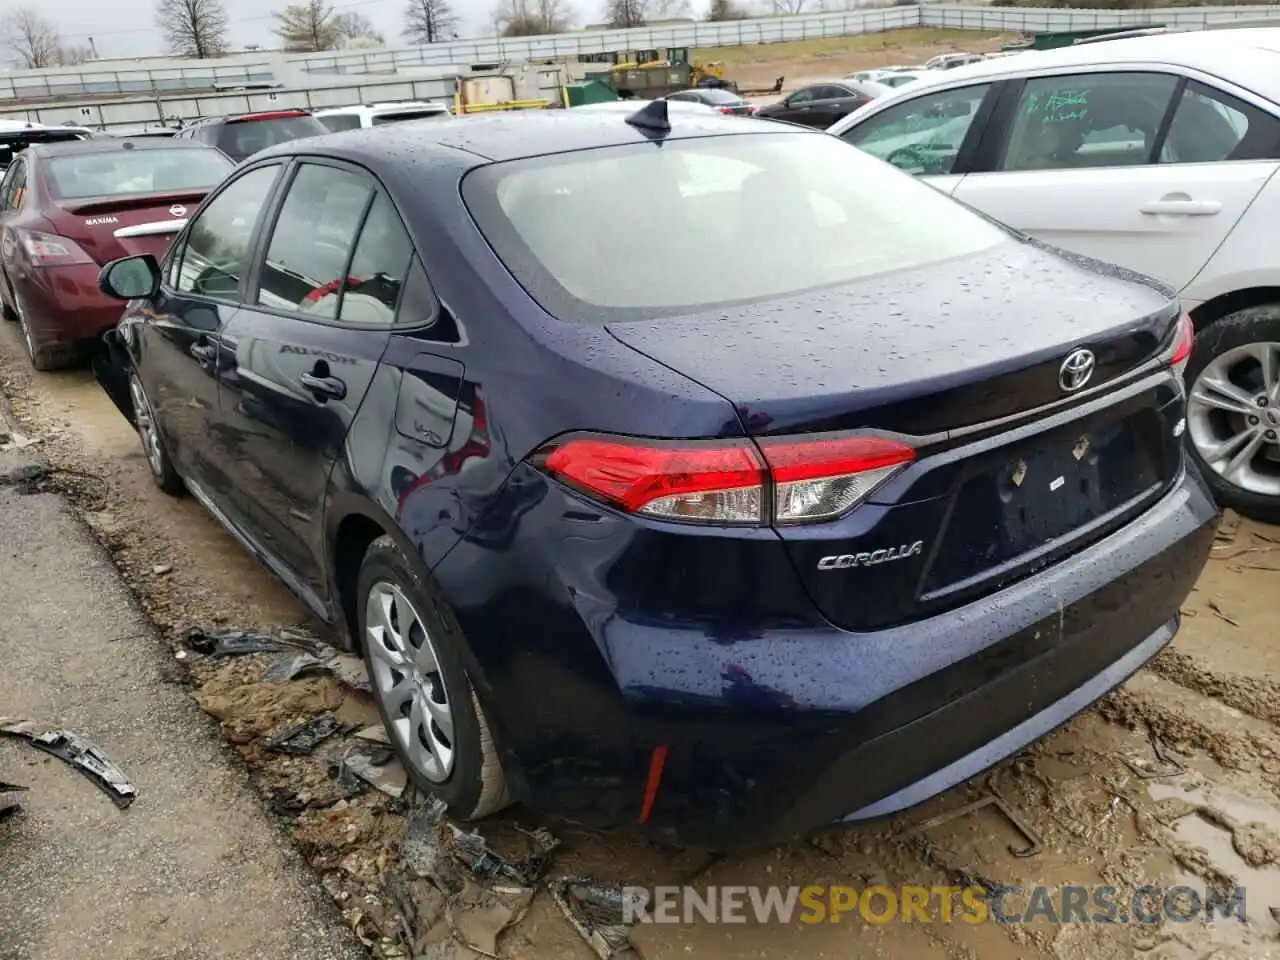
[(728, 549)]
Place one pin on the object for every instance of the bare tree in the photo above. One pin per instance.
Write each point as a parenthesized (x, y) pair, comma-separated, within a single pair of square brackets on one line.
[(725, 10), (355, 28), (621, 14), (73, 56), (193, 28), (660, 10), (787, 7), (32, 39), (307, 27), (429, 21), (531, 18)]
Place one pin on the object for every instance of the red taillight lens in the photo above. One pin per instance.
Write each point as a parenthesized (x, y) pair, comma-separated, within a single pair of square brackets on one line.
[(47, 250), (728, 482), (717, 483), (728, 110), (1183, 341)]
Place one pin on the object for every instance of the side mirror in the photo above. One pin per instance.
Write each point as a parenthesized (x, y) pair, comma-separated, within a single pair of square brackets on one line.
[(130, 278)]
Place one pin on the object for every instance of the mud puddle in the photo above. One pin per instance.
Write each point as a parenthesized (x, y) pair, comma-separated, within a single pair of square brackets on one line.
[(1096, 821)]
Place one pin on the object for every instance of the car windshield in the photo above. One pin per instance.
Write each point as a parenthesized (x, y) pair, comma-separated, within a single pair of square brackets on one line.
[(340, 121), (124, 172), (12, 144), (627, 232)]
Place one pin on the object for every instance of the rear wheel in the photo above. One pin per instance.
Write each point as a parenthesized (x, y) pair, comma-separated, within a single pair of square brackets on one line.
[(44, 357), (1233, 409), (162, 469), (413, 651)]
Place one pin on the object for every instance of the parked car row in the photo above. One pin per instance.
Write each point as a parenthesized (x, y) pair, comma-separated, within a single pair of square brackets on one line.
[(725, 554)]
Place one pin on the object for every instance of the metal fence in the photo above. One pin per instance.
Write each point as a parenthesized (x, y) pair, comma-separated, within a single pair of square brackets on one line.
[(239, 71)]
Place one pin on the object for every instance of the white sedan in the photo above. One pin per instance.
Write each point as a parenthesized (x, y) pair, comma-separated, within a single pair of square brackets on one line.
[(1157, 153)]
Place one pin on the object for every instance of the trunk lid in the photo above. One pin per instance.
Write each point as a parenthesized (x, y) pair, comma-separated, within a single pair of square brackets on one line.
[(112, 227), (957, 356)]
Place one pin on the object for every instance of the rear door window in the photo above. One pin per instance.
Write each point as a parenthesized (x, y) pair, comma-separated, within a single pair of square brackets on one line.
[(378, 267), (311, 242), (1077, 121), (1210, 126)]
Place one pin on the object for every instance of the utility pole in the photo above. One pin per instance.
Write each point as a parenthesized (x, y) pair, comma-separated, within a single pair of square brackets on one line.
[(93, 48)]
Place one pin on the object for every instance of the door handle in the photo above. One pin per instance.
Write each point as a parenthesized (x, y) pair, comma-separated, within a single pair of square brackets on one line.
[(324, 388), (204, 352), (1181, 208)]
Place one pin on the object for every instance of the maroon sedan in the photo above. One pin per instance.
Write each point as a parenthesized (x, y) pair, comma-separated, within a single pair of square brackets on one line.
[(68, 208)]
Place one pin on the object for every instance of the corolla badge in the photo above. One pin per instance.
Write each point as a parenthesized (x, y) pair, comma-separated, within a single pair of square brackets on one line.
[(843, 561), (1076, 370), (177, 210)]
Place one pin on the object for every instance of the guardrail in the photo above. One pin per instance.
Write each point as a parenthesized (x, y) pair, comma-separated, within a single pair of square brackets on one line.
[(447, 57)]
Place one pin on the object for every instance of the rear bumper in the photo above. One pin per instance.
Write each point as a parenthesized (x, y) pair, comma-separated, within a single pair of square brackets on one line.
[(64, 304), (772, 735)]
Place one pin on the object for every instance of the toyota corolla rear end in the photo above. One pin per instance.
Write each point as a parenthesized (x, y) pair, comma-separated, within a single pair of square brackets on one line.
[(91, 205), (943, 506)]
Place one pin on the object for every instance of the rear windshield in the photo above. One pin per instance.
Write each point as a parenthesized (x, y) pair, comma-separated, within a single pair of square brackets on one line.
[(125, 172), (242, 138), (401, 115), (11, 144), (340, 121), (661, 229)]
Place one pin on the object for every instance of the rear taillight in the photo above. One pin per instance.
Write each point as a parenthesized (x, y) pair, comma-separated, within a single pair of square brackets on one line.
[(48, 250), (1183, 340), (781, 480), (728, 110)]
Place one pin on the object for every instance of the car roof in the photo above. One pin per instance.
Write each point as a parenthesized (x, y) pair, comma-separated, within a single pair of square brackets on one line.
[(1246, 56), (513, 135), (112, 145)]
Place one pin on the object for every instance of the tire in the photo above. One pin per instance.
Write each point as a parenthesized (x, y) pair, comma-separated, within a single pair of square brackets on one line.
[(162, 469), (47, 357), (1222, 350), (471, 781)]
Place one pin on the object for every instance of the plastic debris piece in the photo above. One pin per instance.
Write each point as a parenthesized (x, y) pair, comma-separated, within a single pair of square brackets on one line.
[(289, 668), (84, 756), (10, 799), (302, 738), (232, 643), (389, 777), (473, 852), (377, 733), (596, 911)]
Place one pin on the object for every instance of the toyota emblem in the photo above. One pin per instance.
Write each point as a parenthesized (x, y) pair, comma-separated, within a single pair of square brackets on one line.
[(1076, 370), (178, 210)]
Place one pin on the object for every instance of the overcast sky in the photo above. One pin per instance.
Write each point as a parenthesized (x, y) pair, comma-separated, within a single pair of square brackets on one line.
[(122, 28)]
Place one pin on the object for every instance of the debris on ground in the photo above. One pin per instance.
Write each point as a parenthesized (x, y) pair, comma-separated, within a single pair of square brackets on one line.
[(307, 654), (597, 911), (473, 853), (10, 799), (376, 766), (303, 738), (78, 753)]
